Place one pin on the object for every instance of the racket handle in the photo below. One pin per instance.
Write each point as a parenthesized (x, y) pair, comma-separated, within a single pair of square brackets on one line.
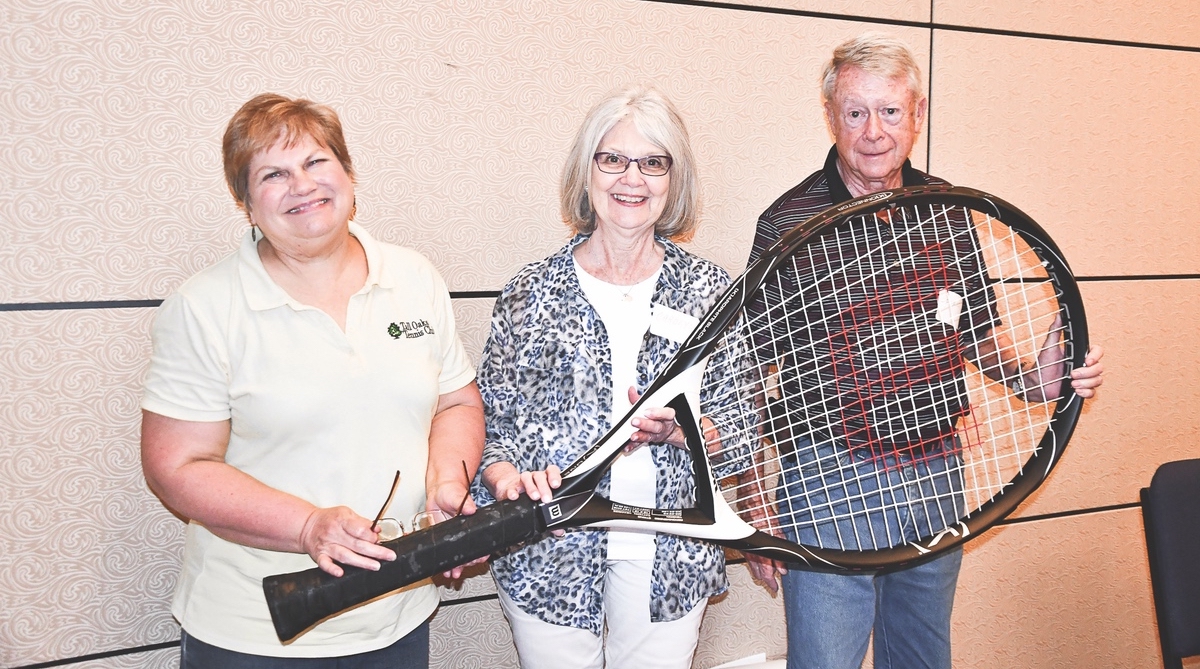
[(299, 600)]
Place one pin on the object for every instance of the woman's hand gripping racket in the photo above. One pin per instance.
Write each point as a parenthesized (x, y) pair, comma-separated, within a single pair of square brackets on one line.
[(888, 380)]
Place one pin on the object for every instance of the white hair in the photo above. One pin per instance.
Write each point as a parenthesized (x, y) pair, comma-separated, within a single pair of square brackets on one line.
[(660, 123), (874, 53)]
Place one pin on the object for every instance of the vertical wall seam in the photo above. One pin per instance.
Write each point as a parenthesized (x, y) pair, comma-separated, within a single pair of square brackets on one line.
[(929, 102)]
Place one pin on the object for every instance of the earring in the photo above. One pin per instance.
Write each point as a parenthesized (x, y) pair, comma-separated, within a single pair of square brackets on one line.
[(253, 232)]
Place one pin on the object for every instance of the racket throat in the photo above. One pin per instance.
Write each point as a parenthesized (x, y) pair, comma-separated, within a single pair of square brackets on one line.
[(577, 503), (701, 471)]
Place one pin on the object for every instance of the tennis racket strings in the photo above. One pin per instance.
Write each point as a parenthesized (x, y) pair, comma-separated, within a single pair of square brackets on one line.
[(879, 417)]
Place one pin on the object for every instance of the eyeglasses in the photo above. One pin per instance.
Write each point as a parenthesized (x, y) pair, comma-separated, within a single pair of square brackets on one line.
[(855, 117), (615, 163), (390, 528)]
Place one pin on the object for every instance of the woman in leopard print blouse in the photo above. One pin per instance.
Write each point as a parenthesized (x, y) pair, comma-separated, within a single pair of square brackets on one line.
[(574, 338)]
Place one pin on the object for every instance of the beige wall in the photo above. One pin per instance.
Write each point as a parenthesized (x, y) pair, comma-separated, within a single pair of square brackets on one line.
[(110, 118)]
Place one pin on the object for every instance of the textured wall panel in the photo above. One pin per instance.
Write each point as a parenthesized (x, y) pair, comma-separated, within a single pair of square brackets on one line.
[(901, 10), (1071, 592), (744, 621), (473, 318), (1145, 413), (1159, 22), (1084, 138), (458, 115), (476, 582), (88, 556), (471, 636)]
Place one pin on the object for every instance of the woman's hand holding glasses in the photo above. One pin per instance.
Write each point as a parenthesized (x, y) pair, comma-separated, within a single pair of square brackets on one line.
[(438, 510), (338, 536)]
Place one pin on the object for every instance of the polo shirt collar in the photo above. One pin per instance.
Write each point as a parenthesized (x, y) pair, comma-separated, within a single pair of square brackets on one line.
[(837, 188), (262, 293)]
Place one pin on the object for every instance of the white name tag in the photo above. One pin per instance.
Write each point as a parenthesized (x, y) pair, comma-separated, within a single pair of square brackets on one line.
[(949, 308), (670, 324)]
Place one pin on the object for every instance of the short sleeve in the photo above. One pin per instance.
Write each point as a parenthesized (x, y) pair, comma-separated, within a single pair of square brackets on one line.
[(188, 378), (457, 370)]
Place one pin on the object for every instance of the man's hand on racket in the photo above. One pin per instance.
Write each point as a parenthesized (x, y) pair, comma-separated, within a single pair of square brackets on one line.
[(655, 426), (766, 571), (756, 508), (1085, 380), (1043, 382), (658, 426)]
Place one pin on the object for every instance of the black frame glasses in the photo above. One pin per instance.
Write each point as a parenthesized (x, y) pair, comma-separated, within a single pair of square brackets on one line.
[(615, 163)]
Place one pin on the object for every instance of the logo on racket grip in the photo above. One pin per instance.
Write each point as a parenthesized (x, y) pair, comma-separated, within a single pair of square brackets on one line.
[(555, 512)]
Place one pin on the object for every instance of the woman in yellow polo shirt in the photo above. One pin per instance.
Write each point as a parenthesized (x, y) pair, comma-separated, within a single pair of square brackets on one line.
[(288, 383)]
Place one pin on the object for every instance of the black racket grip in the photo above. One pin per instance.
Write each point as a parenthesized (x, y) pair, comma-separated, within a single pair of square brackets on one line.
[(299, 600)]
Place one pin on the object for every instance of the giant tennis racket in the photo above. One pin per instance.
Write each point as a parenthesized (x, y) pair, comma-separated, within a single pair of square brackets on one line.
[(887, 381)]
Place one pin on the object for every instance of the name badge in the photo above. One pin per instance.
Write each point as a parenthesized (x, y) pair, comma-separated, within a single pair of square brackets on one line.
[(669, 324), (949, 308)]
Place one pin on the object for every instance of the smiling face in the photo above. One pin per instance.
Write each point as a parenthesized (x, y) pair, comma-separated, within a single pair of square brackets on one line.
[(875, 122), (299, 193), (630, 201)]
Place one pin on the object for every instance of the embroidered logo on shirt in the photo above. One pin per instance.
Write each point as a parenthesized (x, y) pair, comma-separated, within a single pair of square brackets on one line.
[(410, 329)]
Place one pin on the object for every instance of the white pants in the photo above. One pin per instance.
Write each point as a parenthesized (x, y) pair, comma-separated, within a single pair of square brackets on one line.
[(632, 640)]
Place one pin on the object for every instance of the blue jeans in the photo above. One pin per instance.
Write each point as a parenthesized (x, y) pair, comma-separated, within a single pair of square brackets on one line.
[(830, 617), (836, 499), (410, 652)]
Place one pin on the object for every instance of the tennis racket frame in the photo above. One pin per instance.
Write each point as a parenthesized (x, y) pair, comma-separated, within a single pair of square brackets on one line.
[(298, 601)]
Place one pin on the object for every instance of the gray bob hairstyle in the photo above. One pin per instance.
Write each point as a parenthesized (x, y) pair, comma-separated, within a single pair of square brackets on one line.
[(874, 53), (660, 123)]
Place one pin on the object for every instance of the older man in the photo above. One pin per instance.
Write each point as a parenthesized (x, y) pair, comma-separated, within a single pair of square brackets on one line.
[(875, 108)]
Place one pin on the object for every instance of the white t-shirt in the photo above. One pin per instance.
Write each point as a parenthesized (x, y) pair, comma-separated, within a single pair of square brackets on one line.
[(625, 312), (326, 415)]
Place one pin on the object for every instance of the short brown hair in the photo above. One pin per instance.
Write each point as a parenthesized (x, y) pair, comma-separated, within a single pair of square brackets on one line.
[(661, 124), (267, 119)]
